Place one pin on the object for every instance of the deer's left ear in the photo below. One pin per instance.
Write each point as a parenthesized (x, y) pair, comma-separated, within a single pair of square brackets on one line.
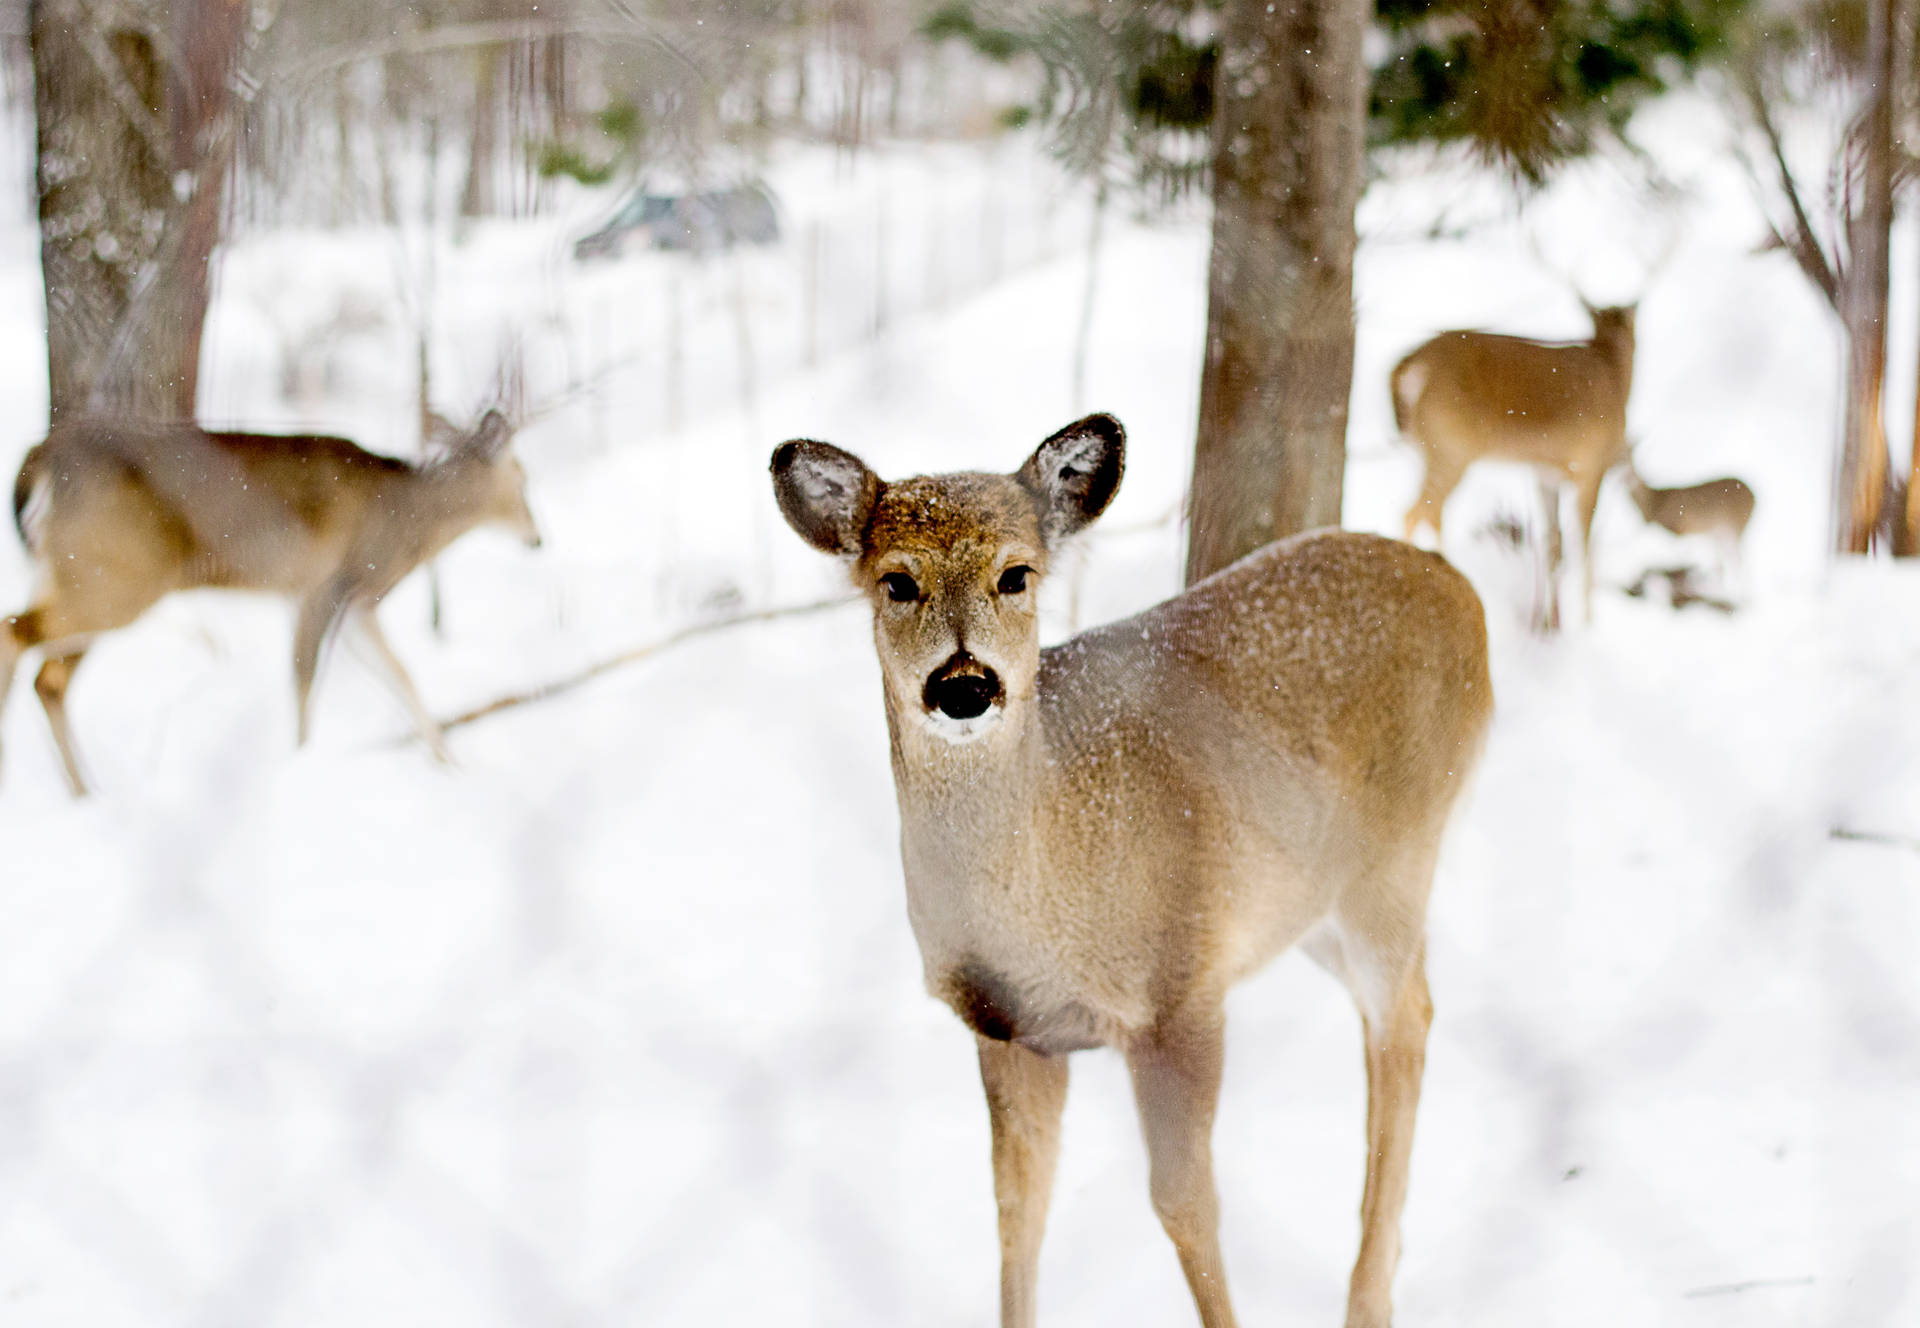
[(490, 434), (1075, 474)]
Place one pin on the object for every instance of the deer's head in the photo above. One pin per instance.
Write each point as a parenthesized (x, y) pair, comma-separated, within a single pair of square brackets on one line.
[(952, 563), (484, 466), (1612, 325)]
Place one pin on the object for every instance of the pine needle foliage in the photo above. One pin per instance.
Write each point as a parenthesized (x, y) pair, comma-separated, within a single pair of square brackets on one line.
[(1527, 85)]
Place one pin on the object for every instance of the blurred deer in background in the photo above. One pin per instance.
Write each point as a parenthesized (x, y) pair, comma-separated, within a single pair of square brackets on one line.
[(117, 514), (1718, 508), (1101, 837), (1560, 407)]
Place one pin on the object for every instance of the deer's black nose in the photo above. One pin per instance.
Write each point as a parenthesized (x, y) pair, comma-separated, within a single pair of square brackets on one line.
[(962, 688)]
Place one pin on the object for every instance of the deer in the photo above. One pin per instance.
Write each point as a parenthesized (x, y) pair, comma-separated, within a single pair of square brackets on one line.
[(1718, 508), (116, 514), (1101, 837), (1560, 407)]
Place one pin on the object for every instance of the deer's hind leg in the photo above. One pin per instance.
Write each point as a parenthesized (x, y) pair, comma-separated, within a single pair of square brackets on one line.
[(56, 674), (1382, 961), (18, 634), (63, 626), (1396, 1036), (1442, 475), (1176, 1085)]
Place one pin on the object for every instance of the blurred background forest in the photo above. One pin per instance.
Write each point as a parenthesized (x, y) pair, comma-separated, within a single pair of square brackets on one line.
[(165, 128)]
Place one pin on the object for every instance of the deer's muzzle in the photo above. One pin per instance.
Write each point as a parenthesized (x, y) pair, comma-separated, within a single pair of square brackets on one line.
[(962, 688)]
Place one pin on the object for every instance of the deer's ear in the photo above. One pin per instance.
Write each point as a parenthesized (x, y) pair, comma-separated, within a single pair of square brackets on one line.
[(490, 435), (826, 494), (1075, 473), (442, 434)]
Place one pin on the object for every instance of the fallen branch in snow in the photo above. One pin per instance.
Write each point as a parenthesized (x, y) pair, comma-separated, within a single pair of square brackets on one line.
[(1909, 842), (560, 686), (1735, 1288)]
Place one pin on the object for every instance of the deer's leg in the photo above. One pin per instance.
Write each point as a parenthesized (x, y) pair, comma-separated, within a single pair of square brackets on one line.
[(1546, 616), (1733, 572), (1587, 498), (18, 634), (1442, 475), (423, 720), (1176, 1084), (1025, 1095), (1396, 1035), (319, 614), (56, 672)]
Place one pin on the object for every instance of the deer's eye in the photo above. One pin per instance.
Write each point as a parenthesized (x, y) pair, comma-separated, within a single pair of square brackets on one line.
[(901, 588), (1014, 580)]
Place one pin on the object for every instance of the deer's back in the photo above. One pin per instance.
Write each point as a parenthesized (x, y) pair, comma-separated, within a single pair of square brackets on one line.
[(1488, 393), (1722, 504), (256, 511), (1295, 719)]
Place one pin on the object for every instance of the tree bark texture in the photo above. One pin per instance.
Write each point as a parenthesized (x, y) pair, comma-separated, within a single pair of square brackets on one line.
[(134, 140), (1861, 488), (1288, 148)]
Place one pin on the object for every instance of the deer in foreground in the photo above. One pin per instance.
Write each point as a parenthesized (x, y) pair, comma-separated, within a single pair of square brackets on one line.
[(1560, 407), (1720, 508), (1101, 837), (117, 514)]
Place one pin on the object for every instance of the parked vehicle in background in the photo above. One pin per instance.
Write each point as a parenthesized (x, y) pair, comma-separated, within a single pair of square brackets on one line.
[(694, 222)]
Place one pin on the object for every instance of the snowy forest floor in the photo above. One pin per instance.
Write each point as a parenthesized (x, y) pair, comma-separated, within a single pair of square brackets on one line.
[(619, 1021)]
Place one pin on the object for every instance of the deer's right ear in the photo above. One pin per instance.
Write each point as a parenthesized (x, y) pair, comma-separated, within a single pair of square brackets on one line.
[(825, 494)]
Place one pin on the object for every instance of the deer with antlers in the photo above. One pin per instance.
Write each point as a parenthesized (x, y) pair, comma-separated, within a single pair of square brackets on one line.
[(117, 514), (1100, 838), (1560, 407)]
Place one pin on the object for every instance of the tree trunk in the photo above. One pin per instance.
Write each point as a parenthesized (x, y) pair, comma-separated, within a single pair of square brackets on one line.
[(1906, 533), (1860, 494), (1287, 170), (125, 254), (477, 199)]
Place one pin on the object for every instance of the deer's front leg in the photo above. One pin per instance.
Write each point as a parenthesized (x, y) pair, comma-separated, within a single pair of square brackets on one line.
[(423, 721), (319, 613), (1026, 1092), (1176, 1083)]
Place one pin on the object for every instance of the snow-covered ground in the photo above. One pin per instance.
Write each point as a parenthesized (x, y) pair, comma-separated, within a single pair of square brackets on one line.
[(619, 1022)]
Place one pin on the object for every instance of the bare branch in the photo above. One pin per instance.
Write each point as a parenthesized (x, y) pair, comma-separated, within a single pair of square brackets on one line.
[(1756, 1284), (1909, 842), (1803, 244), (561, 686)]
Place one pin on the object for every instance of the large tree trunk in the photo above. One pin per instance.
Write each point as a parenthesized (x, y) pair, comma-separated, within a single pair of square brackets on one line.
[(124, 253), (1287, 169), (1861, 489)]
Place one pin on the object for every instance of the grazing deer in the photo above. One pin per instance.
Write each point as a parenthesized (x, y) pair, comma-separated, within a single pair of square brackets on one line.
[(116, 514), (1101, 837), (1720, 508), (1560, 407)]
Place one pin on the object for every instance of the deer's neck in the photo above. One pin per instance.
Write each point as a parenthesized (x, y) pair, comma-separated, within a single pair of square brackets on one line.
[(438, 505), (969, 824), (1620, 352), (1642, 496)]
